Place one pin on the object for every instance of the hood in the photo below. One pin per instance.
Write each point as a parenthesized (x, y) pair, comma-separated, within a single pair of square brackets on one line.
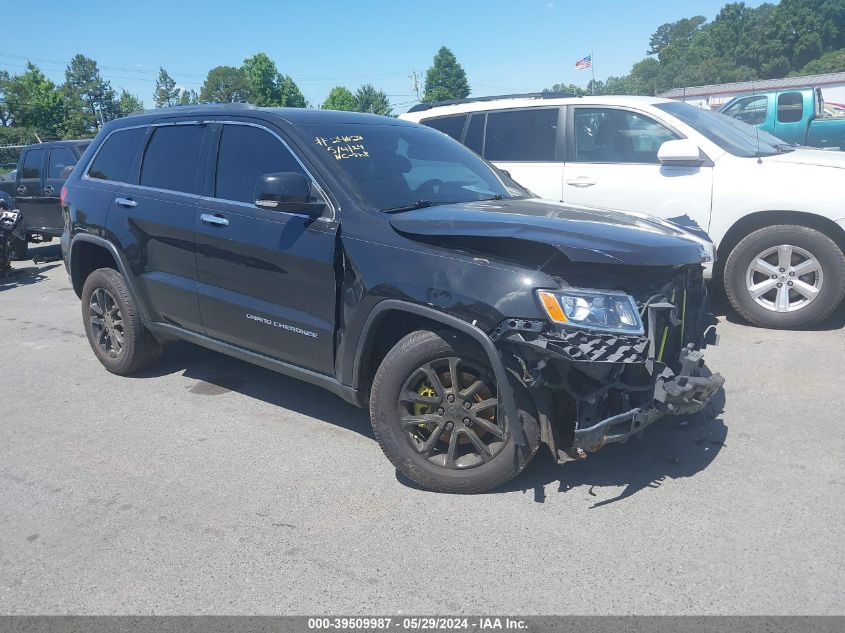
[(582, 234), (816, 157)]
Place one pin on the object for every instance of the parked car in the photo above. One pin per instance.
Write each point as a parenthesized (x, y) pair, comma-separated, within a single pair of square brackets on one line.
[(774, 212), (796, 116), (387, 263), (34, 188)]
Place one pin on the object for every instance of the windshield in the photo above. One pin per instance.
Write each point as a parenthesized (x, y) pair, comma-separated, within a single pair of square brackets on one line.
[(391, 167), (727, 133)]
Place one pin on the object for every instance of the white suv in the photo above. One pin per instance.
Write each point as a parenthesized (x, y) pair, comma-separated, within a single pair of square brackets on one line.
[(775, 212)]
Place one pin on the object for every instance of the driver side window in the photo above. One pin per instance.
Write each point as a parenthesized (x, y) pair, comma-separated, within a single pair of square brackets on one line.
[(246, 153), (610, 135)]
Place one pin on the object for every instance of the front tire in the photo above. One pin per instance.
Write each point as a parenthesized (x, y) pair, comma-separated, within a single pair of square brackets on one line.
[(434, 412), (785, 276), (119, 340)]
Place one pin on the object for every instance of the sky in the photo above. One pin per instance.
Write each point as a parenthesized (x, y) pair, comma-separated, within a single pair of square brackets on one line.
[(505, 46)]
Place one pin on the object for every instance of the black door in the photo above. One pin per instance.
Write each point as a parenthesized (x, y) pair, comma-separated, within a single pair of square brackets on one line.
[(158, 212), (60, 163), (267, 280), (28, 189)]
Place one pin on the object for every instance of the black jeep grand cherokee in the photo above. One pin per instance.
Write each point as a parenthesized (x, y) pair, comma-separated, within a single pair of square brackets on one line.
[(391, 265)]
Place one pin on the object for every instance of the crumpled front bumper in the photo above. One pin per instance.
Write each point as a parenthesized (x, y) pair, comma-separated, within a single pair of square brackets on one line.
[(685, 388), (684, 393)]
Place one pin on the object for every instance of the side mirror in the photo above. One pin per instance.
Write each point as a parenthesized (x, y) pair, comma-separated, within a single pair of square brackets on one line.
[(679, 152), (288, 191)]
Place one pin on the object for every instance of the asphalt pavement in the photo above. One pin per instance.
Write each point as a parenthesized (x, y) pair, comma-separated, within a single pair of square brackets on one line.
[(210, 486)]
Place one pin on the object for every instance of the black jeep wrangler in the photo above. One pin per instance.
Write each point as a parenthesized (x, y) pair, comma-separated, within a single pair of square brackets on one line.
[(391, 265)]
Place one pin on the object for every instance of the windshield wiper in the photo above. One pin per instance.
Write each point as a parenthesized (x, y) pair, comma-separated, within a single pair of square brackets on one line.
[(419, 204)]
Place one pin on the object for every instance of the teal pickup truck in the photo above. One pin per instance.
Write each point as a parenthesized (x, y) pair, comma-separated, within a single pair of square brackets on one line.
[(794, 116)]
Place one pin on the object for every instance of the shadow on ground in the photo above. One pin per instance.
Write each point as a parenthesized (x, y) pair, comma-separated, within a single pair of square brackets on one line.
[(670, 449), (216, 374), (27, 272)]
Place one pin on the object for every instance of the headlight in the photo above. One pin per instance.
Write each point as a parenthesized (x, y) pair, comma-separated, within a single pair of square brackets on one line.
[(592, 310)]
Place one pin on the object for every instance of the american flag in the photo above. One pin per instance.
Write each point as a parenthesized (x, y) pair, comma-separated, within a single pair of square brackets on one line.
[(584, 64)]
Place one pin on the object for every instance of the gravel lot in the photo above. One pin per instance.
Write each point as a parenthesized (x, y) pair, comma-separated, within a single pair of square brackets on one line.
[(207, 485)]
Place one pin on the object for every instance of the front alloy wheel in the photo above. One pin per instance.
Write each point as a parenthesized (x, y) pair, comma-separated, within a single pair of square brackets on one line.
[(434, 410), (448, 408)]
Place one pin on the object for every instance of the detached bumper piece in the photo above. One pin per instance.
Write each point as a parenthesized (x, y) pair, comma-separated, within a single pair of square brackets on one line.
[(674, 394)]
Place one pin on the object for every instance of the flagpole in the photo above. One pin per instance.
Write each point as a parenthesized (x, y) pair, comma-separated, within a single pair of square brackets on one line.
[(593, 69)]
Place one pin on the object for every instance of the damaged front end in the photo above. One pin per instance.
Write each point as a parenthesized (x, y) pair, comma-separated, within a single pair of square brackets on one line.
[(596, 387)]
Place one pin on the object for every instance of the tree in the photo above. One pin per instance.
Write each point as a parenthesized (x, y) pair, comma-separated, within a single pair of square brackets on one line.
[(571, 88), (128, 103), (166, 94), (34, 101), (289, 94), (368, 99), (830, 62), (90, 99), (446, 78), (225, 84), (340, 98), (188, 97), (5, 116)]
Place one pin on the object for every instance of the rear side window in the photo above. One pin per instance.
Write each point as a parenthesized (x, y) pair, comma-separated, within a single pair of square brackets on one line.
[(172, 157), (451, 125), (475, 133), (60, 159), (245, 154), (32, 164), (521, 135), (790, 107), (115, 157)]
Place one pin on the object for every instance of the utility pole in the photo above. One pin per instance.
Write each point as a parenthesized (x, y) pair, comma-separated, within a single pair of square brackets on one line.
[(415, 83)]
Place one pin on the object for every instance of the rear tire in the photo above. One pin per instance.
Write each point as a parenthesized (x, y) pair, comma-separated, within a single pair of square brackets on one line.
[(785, 276), (119, 340), (483, 454)]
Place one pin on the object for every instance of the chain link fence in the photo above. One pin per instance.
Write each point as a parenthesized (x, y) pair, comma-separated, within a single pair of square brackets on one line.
[(9, 155)]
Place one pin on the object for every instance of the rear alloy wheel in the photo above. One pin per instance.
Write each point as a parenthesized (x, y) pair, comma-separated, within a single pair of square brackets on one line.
[(785, 277), (115, 333), (435, 412)]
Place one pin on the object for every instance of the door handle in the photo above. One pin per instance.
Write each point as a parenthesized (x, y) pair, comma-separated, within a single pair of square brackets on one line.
[(581, 181), (214, 220), (126, 202), (48, 189), (21, 190)]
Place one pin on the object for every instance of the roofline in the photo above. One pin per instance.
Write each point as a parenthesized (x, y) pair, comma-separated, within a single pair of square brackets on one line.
[(698, 91), (526, 95)]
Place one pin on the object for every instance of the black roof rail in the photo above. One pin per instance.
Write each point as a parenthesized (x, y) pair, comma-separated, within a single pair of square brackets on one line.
[(526, 95)]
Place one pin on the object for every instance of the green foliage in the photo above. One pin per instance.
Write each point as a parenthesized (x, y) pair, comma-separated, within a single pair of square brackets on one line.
[(128, 103), (18, 136), (340, 98), (830, 62), (166, 93), (89, 99), (225, 84), (268, 87), (188, 97), (742, 43), (34, 101), (446, 78), (578, 90), (368, 99)]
